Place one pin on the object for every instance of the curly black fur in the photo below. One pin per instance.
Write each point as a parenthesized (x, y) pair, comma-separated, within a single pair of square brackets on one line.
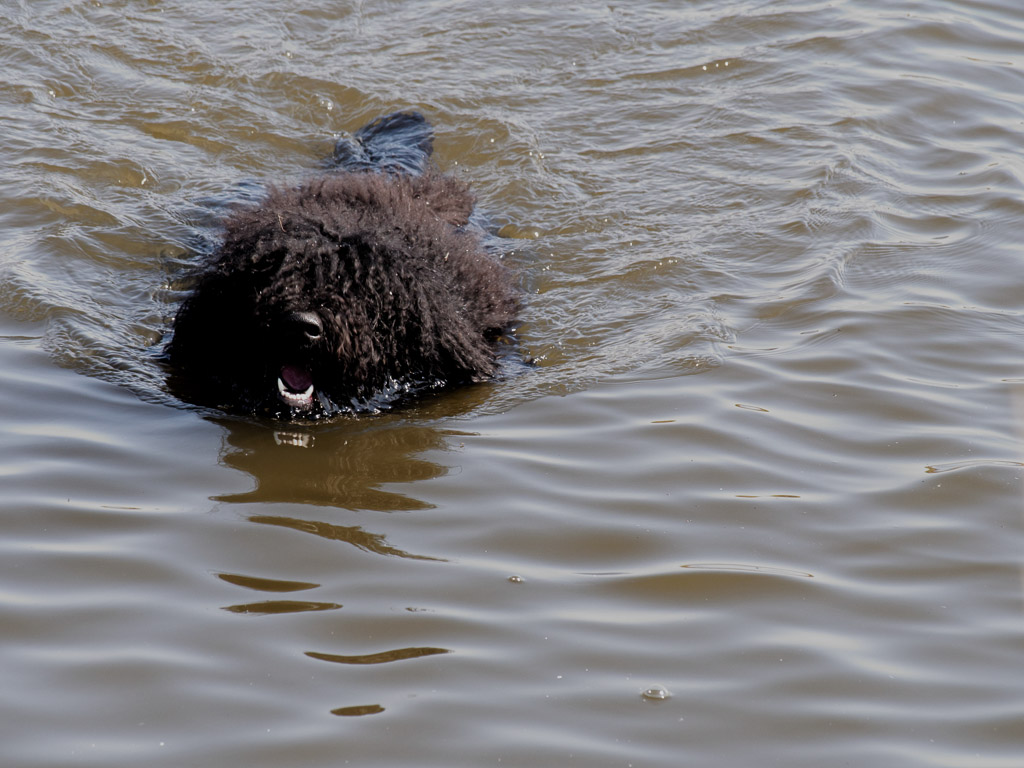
[(329, 293)]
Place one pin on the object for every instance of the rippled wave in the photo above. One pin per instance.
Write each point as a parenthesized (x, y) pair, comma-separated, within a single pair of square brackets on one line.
[(765, 478)]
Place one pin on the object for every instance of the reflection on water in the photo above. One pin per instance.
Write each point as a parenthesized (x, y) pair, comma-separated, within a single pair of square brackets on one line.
[(274, 607), (366, 709), (399, 654), (345, 465), (265, 585), (350, 534)]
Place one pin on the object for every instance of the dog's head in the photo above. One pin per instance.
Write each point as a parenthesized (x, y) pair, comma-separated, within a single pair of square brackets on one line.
[(340, 293), (240, 348)]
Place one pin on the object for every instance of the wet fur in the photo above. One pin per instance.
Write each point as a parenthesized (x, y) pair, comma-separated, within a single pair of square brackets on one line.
[(403, 289)]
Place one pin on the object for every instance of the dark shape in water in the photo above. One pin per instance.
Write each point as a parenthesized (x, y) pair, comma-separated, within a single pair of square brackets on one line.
[(346, 292)]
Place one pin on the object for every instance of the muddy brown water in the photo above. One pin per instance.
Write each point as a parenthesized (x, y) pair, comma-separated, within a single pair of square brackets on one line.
[(759, 502)]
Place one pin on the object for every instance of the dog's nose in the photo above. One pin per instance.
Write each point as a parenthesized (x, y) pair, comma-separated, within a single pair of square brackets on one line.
[(307, 326)]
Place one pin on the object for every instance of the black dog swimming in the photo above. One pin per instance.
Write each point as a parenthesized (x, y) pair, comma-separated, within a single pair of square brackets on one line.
[(366, 280)]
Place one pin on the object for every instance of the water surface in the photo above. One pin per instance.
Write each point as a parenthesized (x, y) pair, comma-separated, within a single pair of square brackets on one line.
[(759, 501)]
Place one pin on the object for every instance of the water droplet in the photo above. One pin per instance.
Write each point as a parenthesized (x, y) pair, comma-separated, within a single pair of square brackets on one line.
[(657, 693), (517, 579)]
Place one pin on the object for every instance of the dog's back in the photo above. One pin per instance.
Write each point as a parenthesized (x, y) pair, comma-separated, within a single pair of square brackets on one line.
[(401, 142)]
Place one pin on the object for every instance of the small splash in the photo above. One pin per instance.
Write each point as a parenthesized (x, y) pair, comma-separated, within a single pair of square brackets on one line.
[(517, 579), (657, 693)]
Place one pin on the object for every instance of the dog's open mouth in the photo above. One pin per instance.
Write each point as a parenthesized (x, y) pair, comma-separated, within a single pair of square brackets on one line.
[(295, 386)]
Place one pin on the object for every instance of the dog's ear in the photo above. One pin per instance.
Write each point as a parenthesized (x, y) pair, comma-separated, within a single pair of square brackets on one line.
[(448, 198)]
